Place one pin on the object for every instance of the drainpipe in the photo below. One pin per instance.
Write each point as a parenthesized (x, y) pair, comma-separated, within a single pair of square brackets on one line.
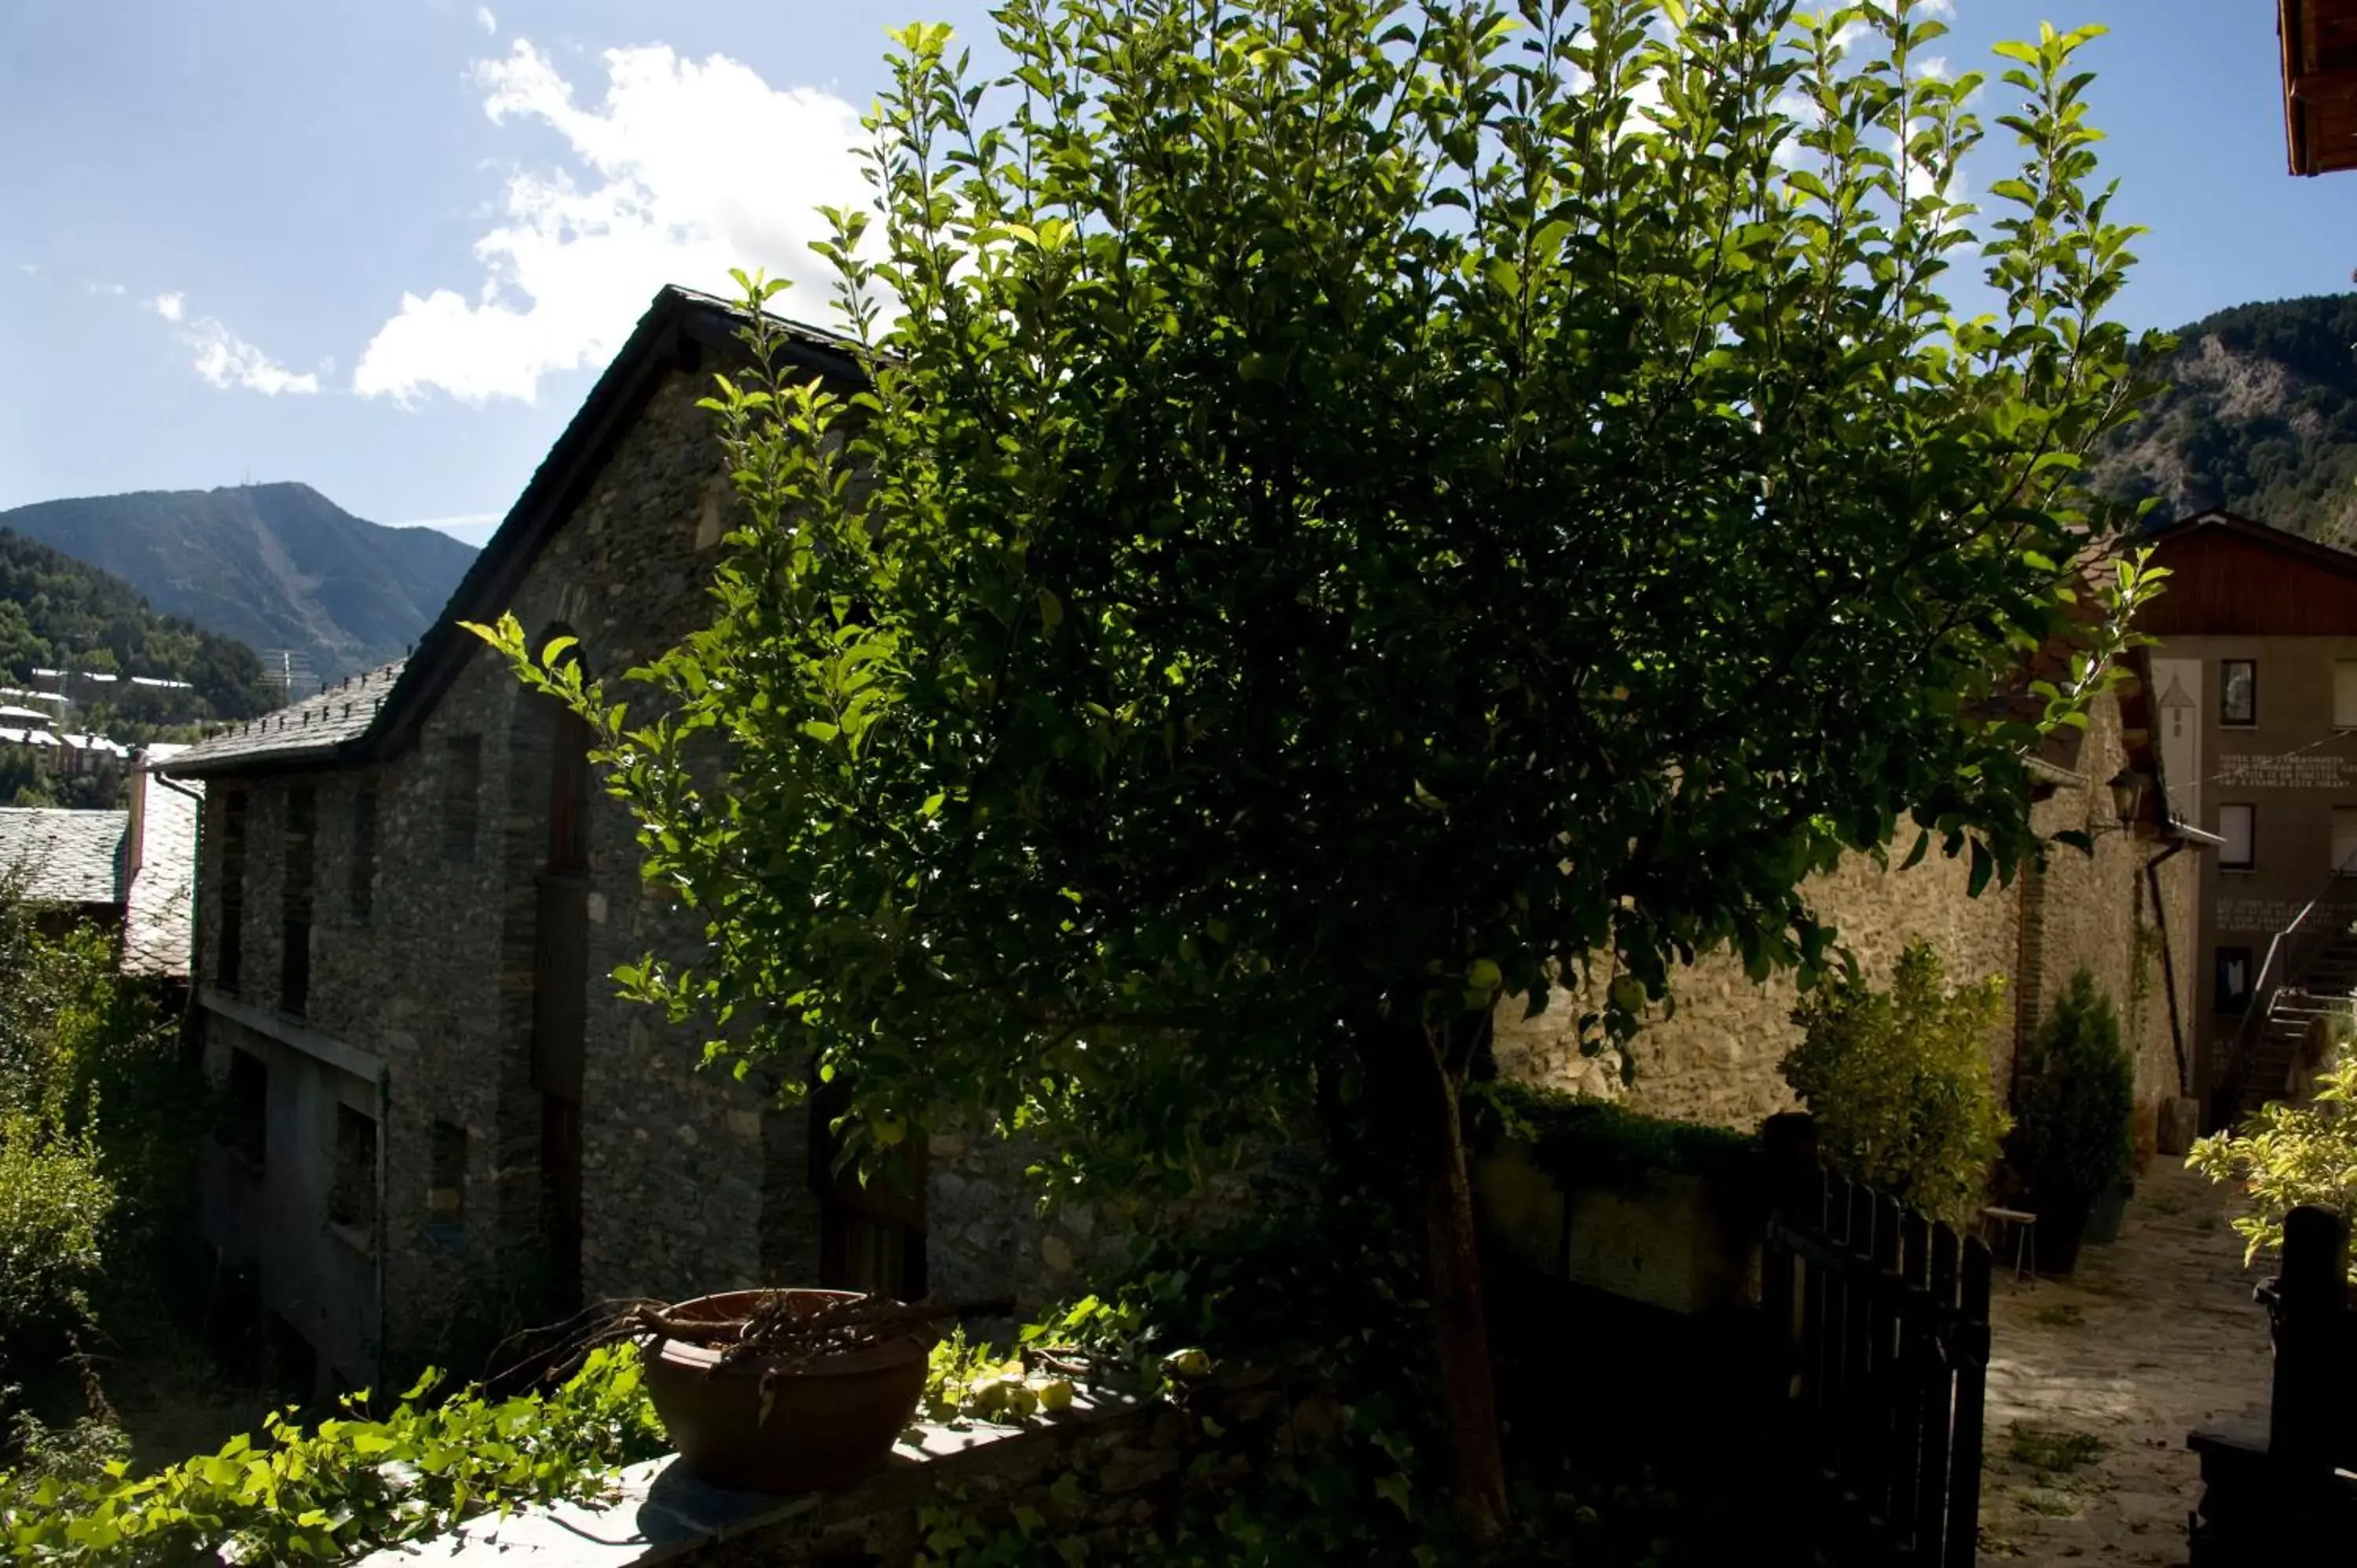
[(383, 1238), (2169, 964), (196, 886)]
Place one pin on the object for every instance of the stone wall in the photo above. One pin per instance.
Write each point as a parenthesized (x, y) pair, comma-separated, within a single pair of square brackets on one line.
[(1717, 1058), (691, 1180)]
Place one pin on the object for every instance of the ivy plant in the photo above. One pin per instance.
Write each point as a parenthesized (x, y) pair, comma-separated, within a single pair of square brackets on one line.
[(1363, 511), (345, 1488)]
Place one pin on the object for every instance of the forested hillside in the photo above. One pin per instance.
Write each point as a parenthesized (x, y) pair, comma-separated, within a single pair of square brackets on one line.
[(56, 613), (277, 567), (2261, 419)]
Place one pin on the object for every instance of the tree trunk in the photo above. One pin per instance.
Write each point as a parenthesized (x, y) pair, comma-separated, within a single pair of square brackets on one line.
[(1460, 1328)]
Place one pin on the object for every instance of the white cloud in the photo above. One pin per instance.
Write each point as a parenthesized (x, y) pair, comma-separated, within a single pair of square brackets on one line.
[(170, 306), (225, 360), (685, 170), (490, 23), (473, 528), (1937, 7), (104, 288), (28, 268)]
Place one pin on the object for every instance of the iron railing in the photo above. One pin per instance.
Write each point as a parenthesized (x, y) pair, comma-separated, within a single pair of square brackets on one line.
[(2289, 953)]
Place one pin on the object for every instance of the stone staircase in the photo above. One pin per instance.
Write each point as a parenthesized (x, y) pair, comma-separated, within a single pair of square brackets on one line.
[(2327, 984)]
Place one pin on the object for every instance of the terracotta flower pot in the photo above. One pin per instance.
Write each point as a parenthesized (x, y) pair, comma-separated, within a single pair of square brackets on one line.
[(756, 1426)]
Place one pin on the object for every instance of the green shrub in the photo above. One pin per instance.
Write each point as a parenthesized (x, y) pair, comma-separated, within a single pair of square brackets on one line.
[(1899, 1082), (2077, 1099), (1578, 1140), (54, 1205), (2287, 1155), (345, 1488)]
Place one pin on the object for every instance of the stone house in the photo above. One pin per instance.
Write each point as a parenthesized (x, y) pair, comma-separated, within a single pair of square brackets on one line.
[(130, 872), (437, 1119), (2129, 911)]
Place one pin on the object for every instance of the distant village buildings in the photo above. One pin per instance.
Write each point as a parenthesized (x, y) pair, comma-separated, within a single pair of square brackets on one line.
[(29, 731)]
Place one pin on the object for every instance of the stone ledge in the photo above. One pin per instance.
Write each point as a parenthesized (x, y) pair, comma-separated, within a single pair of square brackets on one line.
[(657, 1511)]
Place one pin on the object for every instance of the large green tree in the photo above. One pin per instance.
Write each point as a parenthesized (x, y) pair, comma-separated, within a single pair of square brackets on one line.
[(1366, 513)]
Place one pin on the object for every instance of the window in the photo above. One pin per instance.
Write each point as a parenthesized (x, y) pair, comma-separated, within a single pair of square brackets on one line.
[(2344, 693), (363, 884), (351, 1200), (2234, 993), (2238, 825), (295, 900), (462, 787), (245, 1111), (2238, 691), (229, 961), (446, 1192)]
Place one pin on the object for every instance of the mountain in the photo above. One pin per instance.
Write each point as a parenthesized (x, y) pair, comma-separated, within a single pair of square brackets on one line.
[(59, 614), (276, 567), (2261, 419)]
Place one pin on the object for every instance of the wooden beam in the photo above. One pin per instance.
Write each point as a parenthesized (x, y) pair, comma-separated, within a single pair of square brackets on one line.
[(2323, 87)]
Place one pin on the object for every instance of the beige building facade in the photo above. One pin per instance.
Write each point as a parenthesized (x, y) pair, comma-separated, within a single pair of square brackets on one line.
[(2255, 703)]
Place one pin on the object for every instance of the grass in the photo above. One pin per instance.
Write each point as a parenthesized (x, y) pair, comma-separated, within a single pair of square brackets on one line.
[(2051, 1504), (2050, 1452), (2065, 1314)]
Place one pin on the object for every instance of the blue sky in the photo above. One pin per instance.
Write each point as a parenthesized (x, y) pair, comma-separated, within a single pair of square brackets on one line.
[(384, 246)]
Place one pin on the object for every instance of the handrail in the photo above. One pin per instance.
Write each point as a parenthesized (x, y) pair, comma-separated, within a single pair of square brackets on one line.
[(2290, 952)]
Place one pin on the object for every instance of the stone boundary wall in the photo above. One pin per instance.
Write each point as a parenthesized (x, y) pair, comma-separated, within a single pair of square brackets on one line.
[(1716, 1058), (1096, 1474)]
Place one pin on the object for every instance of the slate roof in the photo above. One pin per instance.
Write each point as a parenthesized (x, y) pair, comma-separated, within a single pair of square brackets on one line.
[(159, 906), (318, 728), (70, 856)]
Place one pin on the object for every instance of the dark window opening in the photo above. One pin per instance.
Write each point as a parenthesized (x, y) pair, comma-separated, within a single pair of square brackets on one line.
[(295, 900), (229, 959), (2238, 691), (351, 1200), (446, 1192), (245, 1110), (462, 787), (363, 887), (2234, 979), (871, 1233)]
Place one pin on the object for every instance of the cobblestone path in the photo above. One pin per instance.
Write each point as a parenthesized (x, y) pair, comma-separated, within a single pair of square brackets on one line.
[(2094, 1383)]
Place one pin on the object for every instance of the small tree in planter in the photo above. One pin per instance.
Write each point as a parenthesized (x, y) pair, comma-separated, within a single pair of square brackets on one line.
[(1899, 1082), (2076, 1104)]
